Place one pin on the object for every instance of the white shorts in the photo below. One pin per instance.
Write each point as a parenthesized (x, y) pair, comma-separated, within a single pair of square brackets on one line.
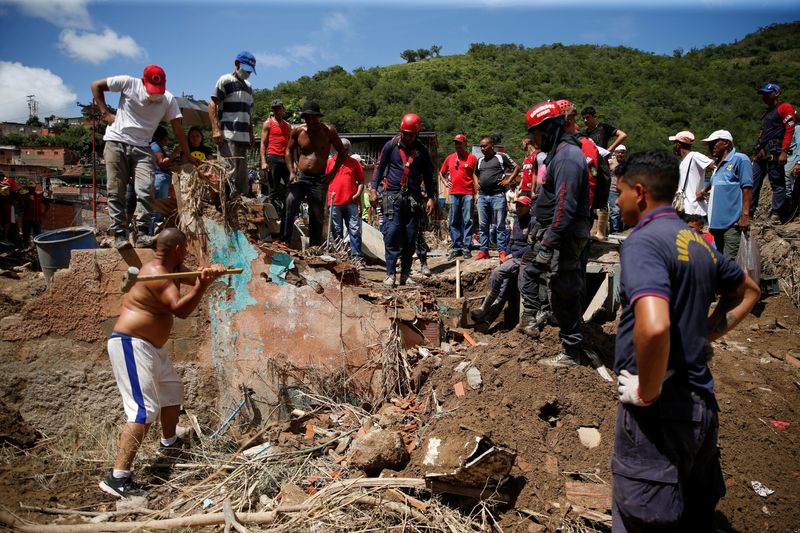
[(145, 377)]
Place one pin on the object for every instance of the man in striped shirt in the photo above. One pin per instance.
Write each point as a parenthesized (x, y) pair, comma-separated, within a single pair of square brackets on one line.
[(230, 112)]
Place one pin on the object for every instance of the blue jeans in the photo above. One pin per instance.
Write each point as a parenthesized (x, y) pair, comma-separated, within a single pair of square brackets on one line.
[(348, 214), (492, 210), (460, 220), (161, 183), (614, 214)]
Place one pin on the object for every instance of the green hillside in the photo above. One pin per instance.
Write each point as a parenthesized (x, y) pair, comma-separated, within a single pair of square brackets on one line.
[(487, 90)]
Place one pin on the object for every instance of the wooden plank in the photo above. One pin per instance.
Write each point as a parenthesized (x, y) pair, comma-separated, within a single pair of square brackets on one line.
[(591, 495), (598, 302)]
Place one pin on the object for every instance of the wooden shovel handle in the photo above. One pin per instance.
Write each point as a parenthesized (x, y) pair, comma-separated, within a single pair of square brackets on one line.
[(176, 275)]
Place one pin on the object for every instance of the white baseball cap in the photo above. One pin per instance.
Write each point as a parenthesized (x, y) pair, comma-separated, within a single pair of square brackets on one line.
[(685, 137), (620, 148), (725, 135)]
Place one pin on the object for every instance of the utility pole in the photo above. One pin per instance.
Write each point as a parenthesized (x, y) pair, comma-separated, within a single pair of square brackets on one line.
[(33, 106), (95, 114)]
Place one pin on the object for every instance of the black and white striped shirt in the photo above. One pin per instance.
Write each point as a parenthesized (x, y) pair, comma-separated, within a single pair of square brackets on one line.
[(235, 102)]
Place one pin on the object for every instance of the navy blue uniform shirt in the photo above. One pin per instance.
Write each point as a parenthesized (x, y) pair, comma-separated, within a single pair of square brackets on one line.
[(665, 258), (390, 163), (562, 205), (518, 244)]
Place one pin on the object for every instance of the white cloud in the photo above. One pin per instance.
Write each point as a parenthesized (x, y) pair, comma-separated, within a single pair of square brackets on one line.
[(98, 47), (336, 22), (301, 52), (271, 60), (61, 13), (18, 81)]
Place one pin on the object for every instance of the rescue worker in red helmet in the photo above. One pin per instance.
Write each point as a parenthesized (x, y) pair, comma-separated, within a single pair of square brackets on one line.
[(561, 233), (404, 165)]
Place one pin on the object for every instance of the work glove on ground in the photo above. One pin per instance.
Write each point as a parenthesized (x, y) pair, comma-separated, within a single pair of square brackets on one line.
[(628, 387)]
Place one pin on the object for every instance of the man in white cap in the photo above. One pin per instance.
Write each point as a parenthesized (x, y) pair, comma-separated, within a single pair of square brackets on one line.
[(692, 173), (731, 189)]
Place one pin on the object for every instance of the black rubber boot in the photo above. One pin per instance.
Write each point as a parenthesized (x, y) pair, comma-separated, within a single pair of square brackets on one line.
[(481, 313)]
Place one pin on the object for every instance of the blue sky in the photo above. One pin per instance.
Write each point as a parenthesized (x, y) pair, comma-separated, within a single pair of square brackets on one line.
[(55, 48)]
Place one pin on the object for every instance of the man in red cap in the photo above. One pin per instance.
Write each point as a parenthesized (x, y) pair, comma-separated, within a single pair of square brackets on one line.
[(503, 279), (459, 168), (143, 103)]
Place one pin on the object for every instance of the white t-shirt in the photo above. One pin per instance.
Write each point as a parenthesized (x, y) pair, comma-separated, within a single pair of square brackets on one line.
[(692, 178), (138, 117)]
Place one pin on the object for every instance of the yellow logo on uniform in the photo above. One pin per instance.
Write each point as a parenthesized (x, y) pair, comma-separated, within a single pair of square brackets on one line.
[(686, 237)]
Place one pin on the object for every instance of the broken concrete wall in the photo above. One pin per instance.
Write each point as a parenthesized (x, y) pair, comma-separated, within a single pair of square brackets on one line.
[(54, 366), (268, 334)]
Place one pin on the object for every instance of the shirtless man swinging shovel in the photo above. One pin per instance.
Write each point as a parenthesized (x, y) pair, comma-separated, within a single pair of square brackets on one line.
[(307, 157), (144, 373)]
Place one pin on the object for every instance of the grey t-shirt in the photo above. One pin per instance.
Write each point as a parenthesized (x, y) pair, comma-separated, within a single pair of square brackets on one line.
[(490, 171)]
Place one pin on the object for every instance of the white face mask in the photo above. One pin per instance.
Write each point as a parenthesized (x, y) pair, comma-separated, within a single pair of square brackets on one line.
[(242, 73), (155, 97)]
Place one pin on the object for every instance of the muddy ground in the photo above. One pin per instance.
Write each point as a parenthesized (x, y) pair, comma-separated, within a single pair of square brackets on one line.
[(533, 410)]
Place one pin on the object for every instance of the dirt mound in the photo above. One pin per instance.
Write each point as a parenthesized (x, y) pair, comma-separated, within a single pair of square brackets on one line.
[(780, 257), (14, 430)]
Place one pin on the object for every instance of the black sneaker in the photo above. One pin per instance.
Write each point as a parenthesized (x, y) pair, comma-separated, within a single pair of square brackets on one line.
[(175, 450), (466, 254), (121, 487), (453, 254)]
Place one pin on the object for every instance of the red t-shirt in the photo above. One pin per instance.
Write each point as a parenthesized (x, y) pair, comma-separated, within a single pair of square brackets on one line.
[(278, 137), (461, 169), (345, 183), (589, 149), (33, 207), (528, 173)]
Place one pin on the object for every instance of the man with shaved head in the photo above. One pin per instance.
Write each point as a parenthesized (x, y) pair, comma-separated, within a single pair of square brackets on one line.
[(142, 368)]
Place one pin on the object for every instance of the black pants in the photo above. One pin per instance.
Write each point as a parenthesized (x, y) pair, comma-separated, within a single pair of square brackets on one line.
[(313, 190), (421, 247), (666, 474), (278, 181), (561, 286)]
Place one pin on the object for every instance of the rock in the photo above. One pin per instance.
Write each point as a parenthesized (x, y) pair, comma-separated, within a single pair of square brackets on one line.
[(291, 494), (132, 503), (377, 450), (389, 415), (446, 348), (460, 367), (474, 378), (754, 327), (589, 437)]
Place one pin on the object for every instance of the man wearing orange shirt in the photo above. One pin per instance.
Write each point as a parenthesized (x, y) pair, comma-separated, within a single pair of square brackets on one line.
[(274, 139), (459, 167)]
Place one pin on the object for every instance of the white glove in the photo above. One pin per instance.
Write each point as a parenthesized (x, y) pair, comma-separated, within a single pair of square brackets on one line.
[(628, 387)]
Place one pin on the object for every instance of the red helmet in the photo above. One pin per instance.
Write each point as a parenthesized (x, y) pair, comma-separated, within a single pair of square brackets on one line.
[(548, 110), (567, 107), (411, 123)]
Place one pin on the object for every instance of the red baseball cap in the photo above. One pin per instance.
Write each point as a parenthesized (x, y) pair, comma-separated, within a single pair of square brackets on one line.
[(155, 80), (461, 138), (524, 200)]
